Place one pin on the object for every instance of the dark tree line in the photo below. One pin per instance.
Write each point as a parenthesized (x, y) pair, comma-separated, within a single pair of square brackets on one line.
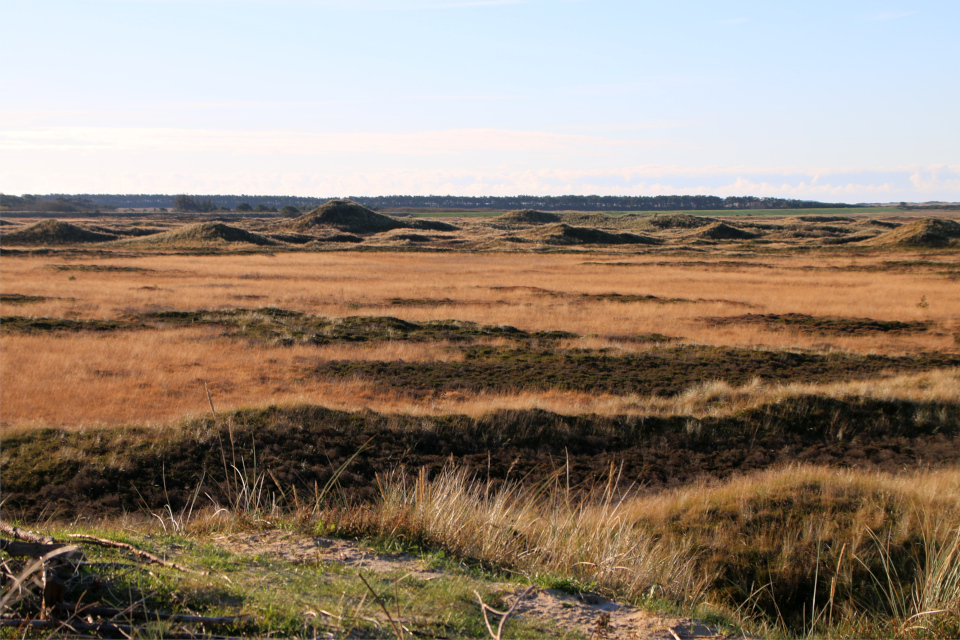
[(548, 203)]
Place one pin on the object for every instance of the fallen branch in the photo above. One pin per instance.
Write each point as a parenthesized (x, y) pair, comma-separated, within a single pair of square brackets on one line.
[(23, 534), (149, 557)]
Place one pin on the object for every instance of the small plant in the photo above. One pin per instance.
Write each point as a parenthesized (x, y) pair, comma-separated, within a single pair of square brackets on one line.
[(602, 629), (923, 304)]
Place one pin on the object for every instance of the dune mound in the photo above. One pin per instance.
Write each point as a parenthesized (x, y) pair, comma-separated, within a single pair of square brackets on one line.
[(723, 231), (929, 232), (601, 220), (204, 233), (432, 225), (334, 236), (55, 232), (411, 237), (8, 222), (529, 216), (345, 215), (825, 218), (292, 238), (679, 221), (133, 232), (566, 234)]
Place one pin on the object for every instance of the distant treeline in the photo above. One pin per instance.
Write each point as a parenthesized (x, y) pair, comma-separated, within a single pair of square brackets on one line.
[(547, 203)]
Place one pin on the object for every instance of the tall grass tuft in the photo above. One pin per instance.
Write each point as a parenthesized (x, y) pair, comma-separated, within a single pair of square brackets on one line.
[(545, 531), (801, 551)]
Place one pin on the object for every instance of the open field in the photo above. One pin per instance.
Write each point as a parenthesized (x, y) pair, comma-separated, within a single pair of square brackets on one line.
[(754, 420)]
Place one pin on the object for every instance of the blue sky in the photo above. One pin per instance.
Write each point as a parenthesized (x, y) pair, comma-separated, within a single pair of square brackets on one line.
[(834, 101)]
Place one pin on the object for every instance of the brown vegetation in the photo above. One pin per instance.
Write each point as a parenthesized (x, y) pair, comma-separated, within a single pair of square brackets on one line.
[(692, 358)]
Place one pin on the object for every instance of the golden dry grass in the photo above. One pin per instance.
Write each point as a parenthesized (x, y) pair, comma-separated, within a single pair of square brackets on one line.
[(809, 530), (153, 376)]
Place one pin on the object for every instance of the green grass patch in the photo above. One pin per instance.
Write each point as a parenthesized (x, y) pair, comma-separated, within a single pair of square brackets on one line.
[(270, 595)]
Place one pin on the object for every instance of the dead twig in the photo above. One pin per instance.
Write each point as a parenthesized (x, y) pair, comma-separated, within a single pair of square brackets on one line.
[(484, 608), (397, 627), (144, 555)]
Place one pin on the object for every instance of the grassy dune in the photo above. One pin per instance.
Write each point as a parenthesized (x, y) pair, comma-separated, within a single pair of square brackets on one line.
[(757, 423)]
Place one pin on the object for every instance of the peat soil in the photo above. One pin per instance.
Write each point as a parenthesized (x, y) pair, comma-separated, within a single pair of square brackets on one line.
[(104, 471), (662, 370)]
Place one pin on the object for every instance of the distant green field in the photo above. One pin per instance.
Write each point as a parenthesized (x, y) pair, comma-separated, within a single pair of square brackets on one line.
[(705, 212)]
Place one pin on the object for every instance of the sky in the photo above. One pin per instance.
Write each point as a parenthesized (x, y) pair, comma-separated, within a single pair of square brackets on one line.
[(838, 101)]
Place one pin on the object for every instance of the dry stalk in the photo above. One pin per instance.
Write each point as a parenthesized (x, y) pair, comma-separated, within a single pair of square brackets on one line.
[(504, 616)]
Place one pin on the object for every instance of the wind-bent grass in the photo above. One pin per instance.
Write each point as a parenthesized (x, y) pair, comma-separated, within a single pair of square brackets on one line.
[(801, 550)]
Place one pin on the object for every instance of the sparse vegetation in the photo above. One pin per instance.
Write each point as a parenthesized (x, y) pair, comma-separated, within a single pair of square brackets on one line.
[(575, 402)]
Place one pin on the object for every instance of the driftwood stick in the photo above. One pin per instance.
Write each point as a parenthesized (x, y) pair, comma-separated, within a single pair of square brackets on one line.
[(143, 555), (23, 534)]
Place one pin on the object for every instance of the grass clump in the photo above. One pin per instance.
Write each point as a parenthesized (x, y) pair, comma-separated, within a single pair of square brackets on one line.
[(797, 551)]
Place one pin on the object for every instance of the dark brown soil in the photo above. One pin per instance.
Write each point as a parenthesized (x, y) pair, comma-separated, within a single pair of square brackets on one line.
[(663, 370), (128, 469)]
